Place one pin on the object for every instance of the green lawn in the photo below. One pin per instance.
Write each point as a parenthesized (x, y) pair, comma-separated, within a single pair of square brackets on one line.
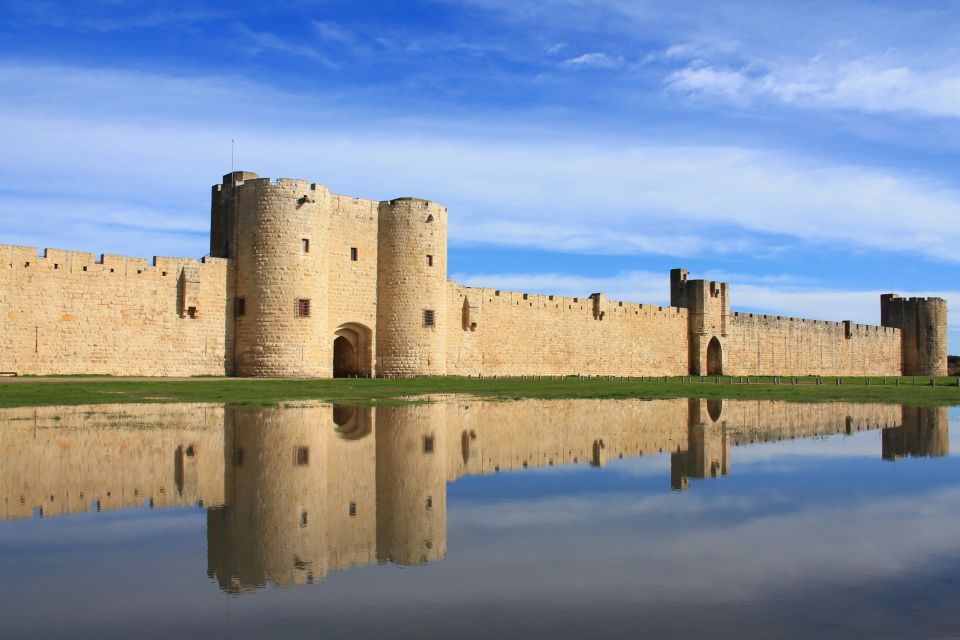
[(61, 391)]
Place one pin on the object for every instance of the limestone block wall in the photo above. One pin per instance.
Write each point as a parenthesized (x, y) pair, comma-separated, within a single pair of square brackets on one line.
[(69, 313), (773, 345), (497, 332)]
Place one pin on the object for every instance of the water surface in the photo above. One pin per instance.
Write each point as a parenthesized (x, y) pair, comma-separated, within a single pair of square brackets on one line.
[(470, 519)]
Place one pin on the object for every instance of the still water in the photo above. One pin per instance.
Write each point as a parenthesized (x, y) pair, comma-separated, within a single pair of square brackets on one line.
[(472, 519)]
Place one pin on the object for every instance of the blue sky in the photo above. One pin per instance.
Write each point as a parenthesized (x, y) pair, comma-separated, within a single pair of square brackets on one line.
[(805, 152)]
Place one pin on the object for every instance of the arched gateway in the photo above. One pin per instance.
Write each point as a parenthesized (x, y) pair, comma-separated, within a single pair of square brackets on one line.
[(352, 355), (714, 358)]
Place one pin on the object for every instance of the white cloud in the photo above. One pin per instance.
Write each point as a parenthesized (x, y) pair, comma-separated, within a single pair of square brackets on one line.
[(114, 148), (867, 85), (594, 60), (708, 80)]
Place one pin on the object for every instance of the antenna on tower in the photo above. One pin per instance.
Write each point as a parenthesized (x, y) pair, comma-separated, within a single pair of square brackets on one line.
[(231, 155)]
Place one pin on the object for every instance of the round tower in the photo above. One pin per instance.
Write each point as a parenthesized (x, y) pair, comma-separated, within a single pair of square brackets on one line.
[(925, 337), (282, 279), (411, 484), (411, 288), (923, 326)]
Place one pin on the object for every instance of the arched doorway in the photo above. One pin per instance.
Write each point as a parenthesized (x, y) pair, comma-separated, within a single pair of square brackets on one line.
[(351, 351), (714, 358), (344, 358)]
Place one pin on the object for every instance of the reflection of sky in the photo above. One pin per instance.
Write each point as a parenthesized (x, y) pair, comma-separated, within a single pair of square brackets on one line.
[(814, 537)]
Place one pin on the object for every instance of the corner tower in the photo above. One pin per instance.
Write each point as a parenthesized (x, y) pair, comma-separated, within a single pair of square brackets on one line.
[(923, 332), (279, 231), (411, 288)]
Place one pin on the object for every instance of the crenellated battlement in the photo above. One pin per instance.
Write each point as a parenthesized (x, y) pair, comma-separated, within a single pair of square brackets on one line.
[(65, 261)]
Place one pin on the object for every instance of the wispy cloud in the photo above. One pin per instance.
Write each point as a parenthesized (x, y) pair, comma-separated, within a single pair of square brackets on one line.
[(595, 60), (865, 85), (256, 42), (577, 195)]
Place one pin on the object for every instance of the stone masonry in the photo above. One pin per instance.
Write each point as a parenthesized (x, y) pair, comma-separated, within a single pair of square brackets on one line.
[(302, 282)]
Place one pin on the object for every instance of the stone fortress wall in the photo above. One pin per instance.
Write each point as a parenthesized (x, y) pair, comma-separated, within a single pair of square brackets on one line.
[(70, 313), (302, 282), (293, 494)]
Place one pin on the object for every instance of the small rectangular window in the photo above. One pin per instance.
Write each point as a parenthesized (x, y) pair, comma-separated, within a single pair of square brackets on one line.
[(192, 312), (429, 318), (241, 307), (428, 444), (305, 245), (353, 254), (352, 509), (429, 261), (303, 307), (303, 456), (429, 504)]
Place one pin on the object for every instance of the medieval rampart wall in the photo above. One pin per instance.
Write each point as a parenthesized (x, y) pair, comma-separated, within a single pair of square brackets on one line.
[(69, 313), (773, 345), (509, 333)]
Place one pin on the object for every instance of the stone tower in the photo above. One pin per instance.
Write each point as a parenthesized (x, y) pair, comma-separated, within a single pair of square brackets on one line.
[(708, 304), (276, 233), (923, 326), (411, 288)]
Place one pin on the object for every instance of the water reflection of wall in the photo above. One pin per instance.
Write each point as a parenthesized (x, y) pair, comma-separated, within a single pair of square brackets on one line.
[(299, 499), (411, 483), (924, 432), (61, 460), (303, 491)]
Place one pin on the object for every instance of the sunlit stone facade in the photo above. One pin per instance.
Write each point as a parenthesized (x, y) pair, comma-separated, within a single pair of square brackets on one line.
[(302, 282)]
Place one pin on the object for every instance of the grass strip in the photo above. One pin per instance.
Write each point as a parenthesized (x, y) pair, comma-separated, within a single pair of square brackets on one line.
[(247, 391)]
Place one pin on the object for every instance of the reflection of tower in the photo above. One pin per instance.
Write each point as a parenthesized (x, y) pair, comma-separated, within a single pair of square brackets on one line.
[(924, 432), (411, 484), (708, 446), (271, 528)]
